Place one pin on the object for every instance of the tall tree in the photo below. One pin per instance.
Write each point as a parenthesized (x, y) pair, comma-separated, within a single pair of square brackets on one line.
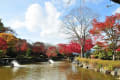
[(38, 48), (3, 46), (23, 47), (51, 52), (9, 38), (64, 49), (76, 25), (74, 46), (110, 29)]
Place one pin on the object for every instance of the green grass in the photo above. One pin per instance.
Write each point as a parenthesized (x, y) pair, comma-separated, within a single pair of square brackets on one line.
[(106, 64)]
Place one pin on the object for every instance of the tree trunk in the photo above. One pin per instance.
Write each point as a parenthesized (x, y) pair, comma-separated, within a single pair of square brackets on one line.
[(113, 56), (81, 52), (114, 53)]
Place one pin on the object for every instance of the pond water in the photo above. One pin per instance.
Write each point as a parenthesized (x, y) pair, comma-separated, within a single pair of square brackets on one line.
[(46, 71)]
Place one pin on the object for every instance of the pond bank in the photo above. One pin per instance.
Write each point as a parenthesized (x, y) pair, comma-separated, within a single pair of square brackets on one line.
[(103, 66), (7, 61)]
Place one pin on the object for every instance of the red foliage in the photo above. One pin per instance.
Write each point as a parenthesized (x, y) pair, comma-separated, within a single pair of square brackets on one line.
[(67, 49), (102, 26), (108, 29), (3, 44), (64, 49), (22, 45), (118, 49), (75, 47), (38, 47), (88, 45), (51, 52)]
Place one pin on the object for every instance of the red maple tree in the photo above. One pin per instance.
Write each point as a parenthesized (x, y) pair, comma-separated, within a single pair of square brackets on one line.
[(64, 49), (110, 29), (88, 45), (73, 46), (38, 48), (51, 52), (3, 44), (24, 46), (21, 46), (77, 48)]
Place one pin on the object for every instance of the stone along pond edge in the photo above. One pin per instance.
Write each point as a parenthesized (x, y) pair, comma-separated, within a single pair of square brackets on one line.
[(103, 66)]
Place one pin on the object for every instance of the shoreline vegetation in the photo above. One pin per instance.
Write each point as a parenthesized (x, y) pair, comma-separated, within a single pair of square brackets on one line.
[(27, 60), (103, 66)]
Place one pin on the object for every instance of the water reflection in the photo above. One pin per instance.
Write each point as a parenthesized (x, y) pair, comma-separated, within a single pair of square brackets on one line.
[(74, 69), (46, 71)]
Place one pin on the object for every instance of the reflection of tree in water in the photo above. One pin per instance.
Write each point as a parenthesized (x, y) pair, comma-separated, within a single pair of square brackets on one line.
[(84, 74), (69, 71), (8, 73), (19, 73), (72, 72), (5, 73), (59, 71), (64, 67)]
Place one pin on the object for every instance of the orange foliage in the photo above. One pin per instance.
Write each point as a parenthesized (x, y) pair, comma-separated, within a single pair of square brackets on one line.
[(9, 38)]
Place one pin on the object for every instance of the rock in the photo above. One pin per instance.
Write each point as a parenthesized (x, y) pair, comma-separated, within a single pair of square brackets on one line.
[(90, 66), (118, 72), (107, 72), (104, 71), (78, 62), (96, 70), (74, 62), (85, 66), (114, 73), (80, 65), (101, 70)]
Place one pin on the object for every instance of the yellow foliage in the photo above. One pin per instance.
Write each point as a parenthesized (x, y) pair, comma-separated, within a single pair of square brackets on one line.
[(10, 38)]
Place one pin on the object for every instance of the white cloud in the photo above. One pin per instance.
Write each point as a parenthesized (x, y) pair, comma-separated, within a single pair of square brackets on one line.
[(17, 24), (117, 10), (52, 22), (33, 17), (44, 20)]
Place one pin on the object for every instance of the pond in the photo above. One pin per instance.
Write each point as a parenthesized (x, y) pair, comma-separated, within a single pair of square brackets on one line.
[(45, 71)]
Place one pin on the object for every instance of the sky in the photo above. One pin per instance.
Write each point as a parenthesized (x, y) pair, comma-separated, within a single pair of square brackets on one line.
[(40, 20)]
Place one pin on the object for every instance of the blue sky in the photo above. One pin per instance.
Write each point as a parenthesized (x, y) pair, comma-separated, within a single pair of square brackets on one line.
[(39, 20)]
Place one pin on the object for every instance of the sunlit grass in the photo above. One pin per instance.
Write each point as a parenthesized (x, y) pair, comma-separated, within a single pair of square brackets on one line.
[(106, 64)]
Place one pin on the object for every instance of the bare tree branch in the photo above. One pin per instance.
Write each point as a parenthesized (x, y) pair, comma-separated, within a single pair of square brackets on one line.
[(77, 25)]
